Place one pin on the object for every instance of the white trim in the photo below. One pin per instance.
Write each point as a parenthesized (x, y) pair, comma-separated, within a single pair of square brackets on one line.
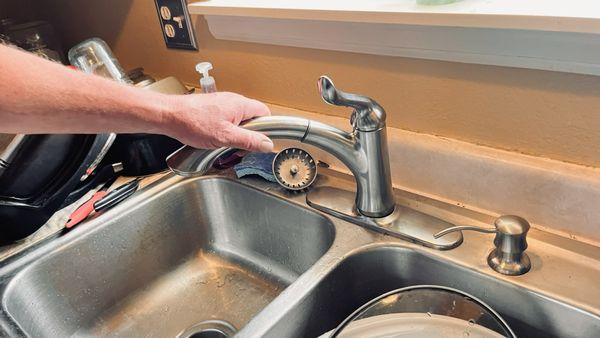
[(555, 51), (582, 16)]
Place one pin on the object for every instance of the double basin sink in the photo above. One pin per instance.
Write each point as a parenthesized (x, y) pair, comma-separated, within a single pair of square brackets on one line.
[(213, 257)]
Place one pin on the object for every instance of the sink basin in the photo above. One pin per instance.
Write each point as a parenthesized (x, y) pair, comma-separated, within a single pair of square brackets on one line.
[(168, 258), (373, 271), (211, 253)]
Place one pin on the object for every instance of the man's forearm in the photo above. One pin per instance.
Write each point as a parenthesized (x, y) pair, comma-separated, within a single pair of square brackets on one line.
[(39, 96)]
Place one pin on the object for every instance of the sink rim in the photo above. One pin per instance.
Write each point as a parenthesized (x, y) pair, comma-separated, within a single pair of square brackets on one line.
[(38, 258), (304, 286), (168, 182), (348, 240)]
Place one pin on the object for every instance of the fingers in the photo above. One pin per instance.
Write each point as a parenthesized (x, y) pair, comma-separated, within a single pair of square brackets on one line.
[(253, 108), (211, 121), (238, 137)]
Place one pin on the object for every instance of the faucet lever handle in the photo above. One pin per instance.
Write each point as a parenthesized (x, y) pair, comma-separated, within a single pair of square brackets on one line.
[(368, 115)]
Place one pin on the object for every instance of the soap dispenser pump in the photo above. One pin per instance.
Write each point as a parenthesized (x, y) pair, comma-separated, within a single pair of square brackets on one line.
[(207, 82)]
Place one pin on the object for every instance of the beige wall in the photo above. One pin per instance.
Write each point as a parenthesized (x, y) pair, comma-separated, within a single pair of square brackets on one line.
[(550, 114)]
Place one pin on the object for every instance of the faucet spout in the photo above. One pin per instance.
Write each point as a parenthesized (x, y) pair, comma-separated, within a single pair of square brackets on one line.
[(190, 162), (374, 196), (364, 151)]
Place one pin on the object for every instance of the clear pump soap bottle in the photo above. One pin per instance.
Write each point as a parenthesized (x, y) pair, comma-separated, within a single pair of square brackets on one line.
[(207, 82)]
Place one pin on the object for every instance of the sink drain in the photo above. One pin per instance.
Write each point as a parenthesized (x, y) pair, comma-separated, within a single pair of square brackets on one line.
[(209, 333), (209, 329)]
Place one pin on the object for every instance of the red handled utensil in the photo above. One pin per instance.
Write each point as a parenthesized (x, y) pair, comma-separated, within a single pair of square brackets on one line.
[(103, 200), (83, 211)]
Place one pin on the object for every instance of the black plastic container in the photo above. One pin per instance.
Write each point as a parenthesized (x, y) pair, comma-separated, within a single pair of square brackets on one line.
[(42, 172)]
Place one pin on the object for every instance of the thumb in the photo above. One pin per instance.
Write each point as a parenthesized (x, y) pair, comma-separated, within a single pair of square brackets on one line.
[(249, 140)]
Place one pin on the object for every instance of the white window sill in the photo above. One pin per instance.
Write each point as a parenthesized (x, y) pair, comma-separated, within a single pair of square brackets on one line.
[(541, 34), (578, 16)]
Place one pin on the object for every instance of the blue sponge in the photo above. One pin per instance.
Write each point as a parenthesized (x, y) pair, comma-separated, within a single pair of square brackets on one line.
[(260, 164)]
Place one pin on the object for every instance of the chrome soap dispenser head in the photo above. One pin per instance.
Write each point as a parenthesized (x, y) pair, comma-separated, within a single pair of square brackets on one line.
[(508, 257)]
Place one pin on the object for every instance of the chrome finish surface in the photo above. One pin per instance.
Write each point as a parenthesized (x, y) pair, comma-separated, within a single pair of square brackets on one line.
[(368, 115), (508, 257), (403, 223), (10, 150), (209, 329), (365, 154), (106, 141), (364, 151), (171, 258), (375, 270), (294, 169), (183, 251), (191, 162), (459, 228)]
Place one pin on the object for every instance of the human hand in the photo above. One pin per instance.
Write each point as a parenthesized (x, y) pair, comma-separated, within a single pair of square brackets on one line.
[(211, 121)]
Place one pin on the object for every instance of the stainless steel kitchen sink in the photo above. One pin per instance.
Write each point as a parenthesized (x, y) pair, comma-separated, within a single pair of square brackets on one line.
[(183, 251), (376, 270), (198, 250)]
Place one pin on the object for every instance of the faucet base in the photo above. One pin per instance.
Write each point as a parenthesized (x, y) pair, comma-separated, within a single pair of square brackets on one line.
[(404, 223)]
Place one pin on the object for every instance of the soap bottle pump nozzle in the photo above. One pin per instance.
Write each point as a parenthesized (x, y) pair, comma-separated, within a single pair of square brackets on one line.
[(207, 82)]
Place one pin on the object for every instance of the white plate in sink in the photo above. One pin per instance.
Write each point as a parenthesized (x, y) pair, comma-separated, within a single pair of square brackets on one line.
[(414, 325)]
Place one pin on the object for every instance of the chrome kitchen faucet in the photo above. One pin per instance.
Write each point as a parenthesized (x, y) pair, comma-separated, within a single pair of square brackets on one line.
[(363, 150)]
